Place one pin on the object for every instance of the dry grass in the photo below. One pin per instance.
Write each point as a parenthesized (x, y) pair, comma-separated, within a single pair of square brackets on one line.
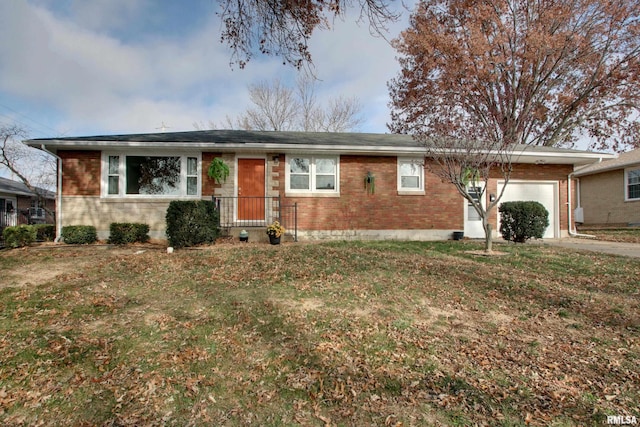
[(626, 234), (379, 333)]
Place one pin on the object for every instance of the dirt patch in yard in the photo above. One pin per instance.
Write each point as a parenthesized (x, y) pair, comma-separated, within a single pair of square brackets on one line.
[(36, 275), (44, 263)]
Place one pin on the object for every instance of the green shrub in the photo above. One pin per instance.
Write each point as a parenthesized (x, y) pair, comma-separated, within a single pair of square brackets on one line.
[(45, 232), (123, 233), (18, 236), (520, 221), (79, 234), (191, 223)]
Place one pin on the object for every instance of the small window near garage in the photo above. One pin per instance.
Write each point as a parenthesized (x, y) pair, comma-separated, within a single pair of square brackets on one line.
[(633, 184), (411, 175), (309, 174)]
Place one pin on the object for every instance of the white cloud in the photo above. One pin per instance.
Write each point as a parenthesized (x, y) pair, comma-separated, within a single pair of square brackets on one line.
[(77, 66), (108, 15)]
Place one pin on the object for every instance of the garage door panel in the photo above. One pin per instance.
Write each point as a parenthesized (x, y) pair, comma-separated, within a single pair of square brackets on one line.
[(542, 192)]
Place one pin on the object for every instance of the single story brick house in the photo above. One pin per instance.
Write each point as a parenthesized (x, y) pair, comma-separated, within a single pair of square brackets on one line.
[(19, 205), (369, 186), (609, 191)]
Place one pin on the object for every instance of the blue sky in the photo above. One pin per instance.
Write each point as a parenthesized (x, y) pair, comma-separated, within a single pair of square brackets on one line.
[(88, 67)]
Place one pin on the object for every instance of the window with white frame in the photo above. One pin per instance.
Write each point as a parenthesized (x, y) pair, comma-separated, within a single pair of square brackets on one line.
[(36, 211), (160, 176), (113, 175), (312, 174), (632, 184), (410, 174)]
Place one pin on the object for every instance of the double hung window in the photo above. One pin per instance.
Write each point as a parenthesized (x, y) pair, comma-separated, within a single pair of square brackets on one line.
[(632, 181), (411, 175), (308, 174), (36, 211)]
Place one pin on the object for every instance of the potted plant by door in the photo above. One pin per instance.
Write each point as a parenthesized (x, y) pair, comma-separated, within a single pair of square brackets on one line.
[(275, 231)]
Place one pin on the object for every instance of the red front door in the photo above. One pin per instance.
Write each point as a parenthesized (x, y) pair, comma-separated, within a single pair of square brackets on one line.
[(251, 189)]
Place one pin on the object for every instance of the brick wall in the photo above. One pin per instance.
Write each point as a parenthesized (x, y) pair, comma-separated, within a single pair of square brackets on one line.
[(358, 209), (80, 173), (24, 203), (602, 198), (440, 208), (208, 184)]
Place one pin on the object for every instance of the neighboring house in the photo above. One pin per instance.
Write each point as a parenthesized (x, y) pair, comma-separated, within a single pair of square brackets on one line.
[(132, 178), (609, 191), (19, 205)]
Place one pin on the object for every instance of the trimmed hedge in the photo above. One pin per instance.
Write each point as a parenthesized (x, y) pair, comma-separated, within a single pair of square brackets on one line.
[(191, 223), (520, 221), (19, 236), (79, 234), (121, 233), (45, 232)]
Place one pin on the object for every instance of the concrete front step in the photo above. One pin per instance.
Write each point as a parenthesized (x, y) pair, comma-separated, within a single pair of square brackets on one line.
[(256, 234)]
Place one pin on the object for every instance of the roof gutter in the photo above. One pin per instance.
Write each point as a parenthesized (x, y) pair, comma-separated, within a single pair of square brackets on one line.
[(525, 156), (58, 194)]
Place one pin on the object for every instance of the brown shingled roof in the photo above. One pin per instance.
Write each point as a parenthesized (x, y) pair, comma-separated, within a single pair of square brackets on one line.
[(622, 161)]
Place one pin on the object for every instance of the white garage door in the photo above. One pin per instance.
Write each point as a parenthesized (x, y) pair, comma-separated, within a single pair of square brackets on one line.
[(545, 192)]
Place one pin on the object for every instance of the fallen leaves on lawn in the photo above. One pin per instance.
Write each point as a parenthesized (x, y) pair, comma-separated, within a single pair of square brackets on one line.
[(350, 334)]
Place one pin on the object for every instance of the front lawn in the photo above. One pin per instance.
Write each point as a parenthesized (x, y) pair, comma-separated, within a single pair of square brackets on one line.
[(627, 234), (354, 334)]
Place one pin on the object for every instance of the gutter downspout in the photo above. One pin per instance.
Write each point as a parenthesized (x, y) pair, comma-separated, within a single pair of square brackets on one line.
[(58, 194), (573, 233)]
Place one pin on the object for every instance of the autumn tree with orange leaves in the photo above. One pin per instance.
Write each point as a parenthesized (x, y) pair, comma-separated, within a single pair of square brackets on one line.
[(481, 80)]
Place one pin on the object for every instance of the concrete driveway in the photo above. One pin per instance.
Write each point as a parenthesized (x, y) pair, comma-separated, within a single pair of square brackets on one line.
[(614, 248)]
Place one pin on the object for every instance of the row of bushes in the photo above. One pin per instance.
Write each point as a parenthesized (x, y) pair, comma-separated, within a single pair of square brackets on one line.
[(120, 234), (23, 235), (189, 223)]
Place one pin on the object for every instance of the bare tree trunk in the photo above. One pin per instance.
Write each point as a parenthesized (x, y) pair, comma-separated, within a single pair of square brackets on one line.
[(488, 238)]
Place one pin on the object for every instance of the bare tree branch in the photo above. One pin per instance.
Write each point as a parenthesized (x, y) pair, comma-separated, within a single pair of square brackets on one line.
[(538, 73), (34, 168), (278, 107), (283, 28)]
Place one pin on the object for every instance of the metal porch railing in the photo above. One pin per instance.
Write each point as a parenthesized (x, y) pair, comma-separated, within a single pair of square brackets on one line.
[(8, 219), (250, 212)]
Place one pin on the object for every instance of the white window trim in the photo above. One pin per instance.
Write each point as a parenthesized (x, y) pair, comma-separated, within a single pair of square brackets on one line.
[(35, 207), (312, 178), (104, 175), (419, 162), (626, 184)]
